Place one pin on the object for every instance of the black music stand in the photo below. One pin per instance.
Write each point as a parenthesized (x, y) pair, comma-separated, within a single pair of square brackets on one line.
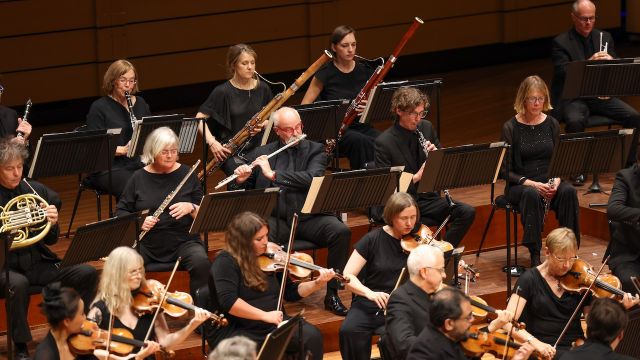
[(591, 152), (75, 152), (96, 240), (629, 343), (145, 126), (350, 190), (7, 239), (276, 342), (321, 120), (379, 105), (594, 78)]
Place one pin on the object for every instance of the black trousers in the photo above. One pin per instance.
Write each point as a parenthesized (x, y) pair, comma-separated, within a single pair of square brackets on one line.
[(358, 144), (119, 179), (531, 207), (311, 339), (194, 260), (83, 278), (322, 230), (434, 209), (576, 112), (624, 272), (358, 327)]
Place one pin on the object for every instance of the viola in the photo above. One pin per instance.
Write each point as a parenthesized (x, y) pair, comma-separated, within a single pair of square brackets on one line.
[(424, 235), (147, 299), (481, 342), (91, 337), (480, 310), (581, 276), (300, 264)]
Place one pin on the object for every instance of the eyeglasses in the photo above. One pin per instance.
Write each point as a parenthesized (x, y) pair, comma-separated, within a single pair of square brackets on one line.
[(291, 130), (170, 151), (420, 115), (135, 272), (570, 260), (533, 99), (586, 19), (1, 89), (440, 270), (124, 81)]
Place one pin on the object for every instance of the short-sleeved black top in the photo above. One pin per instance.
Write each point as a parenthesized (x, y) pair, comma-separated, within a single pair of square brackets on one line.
[(545, 314), (337, 85), (385, 260)]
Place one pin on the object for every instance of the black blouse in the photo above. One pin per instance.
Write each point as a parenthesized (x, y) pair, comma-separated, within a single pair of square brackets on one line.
[(385, 260), (337, 85), (147, 190)]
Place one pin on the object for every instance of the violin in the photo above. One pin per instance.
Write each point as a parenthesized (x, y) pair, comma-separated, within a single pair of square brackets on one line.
[(480, 342), (480, 310), (424, 235), (300, 264), (581, 276), (147, 299), (91, 337)]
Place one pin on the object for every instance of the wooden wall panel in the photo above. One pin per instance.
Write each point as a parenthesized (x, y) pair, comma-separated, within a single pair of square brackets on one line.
[(41, 16)]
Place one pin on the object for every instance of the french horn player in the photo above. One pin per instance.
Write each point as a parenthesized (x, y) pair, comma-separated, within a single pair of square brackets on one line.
[(30, 261)]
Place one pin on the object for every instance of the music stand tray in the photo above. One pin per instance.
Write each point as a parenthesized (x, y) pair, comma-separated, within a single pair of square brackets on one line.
[(145, 126), (96, 240), (276, 342), (217, 209)]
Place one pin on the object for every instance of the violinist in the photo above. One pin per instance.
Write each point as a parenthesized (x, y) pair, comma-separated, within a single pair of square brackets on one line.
[(544, 305), (64, 310), (450, 318), (122, 276), (406, 143), (250, 296), (606, 323), (168, 235)]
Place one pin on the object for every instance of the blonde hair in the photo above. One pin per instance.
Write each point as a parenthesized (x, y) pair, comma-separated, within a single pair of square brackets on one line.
[(156, 142), (114, 285), (233, 55), (528, 85), (115, 70), (560, 240)]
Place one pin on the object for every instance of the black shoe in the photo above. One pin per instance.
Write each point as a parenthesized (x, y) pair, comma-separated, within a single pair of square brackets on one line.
[(578, 180), (333, 304)]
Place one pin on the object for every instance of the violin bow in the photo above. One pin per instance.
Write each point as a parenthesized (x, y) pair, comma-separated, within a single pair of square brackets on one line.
[(111, 320), (292, 233), (509, 336), (575, 312), (162, 298)]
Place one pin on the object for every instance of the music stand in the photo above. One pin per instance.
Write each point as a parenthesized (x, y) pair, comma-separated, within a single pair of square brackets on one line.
[(378, 107), (276, 342), (7, 239), (350, 190), (629, 345), (594, 78), (145, 126), (321, 120), (96, 240), (590, 152)]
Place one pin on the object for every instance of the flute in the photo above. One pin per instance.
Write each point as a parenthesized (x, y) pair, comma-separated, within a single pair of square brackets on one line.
[(294, 140)]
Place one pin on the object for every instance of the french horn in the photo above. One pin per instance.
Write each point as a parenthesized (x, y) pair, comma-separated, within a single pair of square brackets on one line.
[(23, 217)]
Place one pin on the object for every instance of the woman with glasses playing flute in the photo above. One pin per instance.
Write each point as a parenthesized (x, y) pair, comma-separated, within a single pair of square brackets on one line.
[(112, 112), (532, 135)]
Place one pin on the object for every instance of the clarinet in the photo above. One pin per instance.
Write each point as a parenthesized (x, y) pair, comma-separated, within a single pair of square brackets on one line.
[(547, 202), (132, 116), (423, 143), (167, 200), (24, 117)]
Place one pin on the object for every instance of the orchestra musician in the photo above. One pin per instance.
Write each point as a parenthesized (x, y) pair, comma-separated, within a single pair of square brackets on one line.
[(11, 124), (64, 310), (401, 145), (450, 317), (343, 78), (293, 170), (34, 264), (232, 103), (168, 235), (234, 348), (112, 112), (380, 258), (532, 135), (606, 323), (249, 295), (624, 213), (122, 275), (544, 305)]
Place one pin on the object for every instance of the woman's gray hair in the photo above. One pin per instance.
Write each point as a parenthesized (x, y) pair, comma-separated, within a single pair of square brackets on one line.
[(11, 150), (234, 348), (159, 139)]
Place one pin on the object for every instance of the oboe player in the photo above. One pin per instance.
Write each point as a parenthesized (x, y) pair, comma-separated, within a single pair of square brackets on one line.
[(292, 170), (406, 143), (167, 236), (112, 112)]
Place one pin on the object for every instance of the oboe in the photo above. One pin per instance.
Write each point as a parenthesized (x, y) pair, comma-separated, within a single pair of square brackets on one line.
[(294, 140), (25, 116), (132, 116), (167, 200)]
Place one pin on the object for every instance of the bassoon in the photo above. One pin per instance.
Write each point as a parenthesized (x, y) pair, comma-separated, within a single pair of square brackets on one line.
[(377, 76), (243, 136)]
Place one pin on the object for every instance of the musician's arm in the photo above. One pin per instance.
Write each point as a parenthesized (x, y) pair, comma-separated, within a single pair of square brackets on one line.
[(314, 90), (619, 208), (512, 176), (127, 203), (302, 179), (399, 324), (560, 56), (53, 199), (382, 156)]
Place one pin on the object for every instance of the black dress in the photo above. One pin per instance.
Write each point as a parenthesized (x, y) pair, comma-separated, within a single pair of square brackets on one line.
[(229, 109), (226, 286), (106, 113), (48, 350), (337, 85), (169, 238), (532, 147), (385, 260)]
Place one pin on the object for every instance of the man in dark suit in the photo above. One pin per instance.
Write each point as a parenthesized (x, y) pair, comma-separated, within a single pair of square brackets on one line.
[(584, 42), (292, 170), (406, 143), (10, 124), (624, 213)]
